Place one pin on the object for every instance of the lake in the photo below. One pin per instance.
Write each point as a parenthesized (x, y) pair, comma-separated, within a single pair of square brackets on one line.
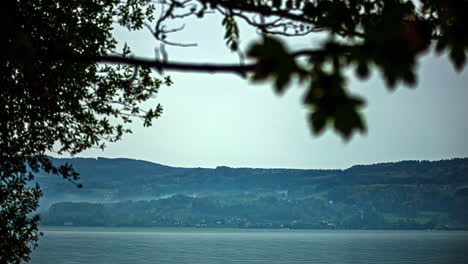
[(208, 246)]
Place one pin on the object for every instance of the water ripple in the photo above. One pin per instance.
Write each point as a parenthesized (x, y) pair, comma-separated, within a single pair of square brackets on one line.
[(173, 246)]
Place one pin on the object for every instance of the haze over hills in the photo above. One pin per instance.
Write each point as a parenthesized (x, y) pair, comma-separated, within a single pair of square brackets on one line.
[(406, 194), (107, 180)]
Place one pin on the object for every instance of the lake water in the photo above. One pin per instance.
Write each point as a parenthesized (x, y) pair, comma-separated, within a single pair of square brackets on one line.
[(210, 246)]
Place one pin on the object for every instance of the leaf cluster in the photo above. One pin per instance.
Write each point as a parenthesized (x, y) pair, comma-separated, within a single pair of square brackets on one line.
[(232, 32), (362, 35)]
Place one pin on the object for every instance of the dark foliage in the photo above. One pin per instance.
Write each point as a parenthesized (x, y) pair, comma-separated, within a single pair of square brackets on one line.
[(50, 103)]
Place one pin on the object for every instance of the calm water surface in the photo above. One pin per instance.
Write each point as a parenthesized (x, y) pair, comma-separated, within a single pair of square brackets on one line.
[(209, 246)]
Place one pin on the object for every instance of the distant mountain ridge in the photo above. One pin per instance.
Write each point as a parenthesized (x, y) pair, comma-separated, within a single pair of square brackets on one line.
[(127, 178), (410, 193), (120, 179)]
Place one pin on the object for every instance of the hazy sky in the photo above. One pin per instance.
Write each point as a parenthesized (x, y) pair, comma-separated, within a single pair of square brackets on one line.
[(221, 119)]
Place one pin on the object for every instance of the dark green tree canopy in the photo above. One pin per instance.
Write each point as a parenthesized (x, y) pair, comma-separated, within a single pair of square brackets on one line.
[(66, 87), (52, 102)]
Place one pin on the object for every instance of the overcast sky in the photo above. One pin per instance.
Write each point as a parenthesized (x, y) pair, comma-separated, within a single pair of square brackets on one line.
[(211, 120)]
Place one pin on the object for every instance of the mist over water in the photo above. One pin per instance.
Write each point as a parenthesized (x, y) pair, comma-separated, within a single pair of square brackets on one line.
[(210, 246)]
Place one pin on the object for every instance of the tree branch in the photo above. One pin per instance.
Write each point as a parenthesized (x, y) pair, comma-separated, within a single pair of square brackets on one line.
[(234, 5), (172, 66), (159, 65)]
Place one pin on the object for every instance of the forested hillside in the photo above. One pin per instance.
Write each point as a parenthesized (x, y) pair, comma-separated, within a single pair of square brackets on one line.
[(124, 192)]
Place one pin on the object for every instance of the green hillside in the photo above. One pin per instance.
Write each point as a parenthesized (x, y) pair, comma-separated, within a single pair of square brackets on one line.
[(124, 192)]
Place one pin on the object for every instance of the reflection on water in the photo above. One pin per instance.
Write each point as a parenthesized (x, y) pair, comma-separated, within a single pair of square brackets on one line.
[(209, 246)]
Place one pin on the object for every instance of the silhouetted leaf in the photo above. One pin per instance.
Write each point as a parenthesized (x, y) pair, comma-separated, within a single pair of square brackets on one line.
[(458, 57), (317, 121), (273, 61), (362, 70)]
